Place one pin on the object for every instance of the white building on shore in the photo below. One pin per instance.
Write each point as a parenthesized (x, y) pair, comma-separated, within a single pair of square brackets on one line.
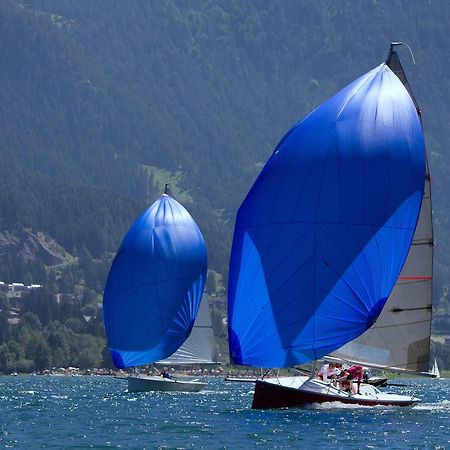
[(17, 290)]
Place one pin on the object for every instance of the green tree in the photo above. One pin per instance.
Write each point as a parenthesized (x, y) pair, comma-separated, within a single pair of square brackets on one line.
[(75, 324), (31, 320), (16, 349), (39, 351), (58, 340), (5, 328), (4, 358)]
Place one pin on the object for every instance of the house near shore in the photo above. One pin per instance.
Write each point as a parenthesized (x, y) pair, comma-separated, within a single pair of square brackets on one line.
[(17, 290)]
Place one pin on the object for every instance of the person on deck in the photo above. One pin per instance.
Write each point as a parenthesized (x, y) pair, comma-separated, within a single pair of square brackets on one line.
[(328, 372), (166, 375), (348, 376)]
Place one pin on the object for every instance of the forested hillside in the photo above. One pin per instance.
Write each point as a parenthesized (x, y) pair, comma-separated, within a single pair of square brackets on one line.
[(103, 102)]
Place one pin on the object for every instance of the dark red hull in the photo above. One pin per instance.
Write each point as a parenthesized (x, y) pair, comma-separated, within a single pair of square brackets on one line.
[(269, 395)]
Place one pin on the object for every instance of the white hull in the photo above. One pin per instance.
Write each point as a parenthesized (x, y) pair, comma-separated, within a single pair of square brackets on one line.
[(155, 383), (300, 391), (240, 380)]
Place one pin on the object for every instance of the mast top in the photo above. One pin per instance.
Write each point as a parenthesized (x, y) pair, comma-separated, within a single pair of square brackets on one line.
[(397, 44)]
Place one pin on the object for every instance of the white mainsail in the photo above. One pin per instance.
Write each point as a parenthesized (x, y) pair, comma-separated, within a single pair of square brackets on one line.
[(199, 347)]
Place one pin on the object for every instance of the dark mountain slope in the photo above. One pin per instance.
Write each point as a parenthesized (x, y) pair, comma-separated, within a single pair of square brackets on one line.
[(95, 91)]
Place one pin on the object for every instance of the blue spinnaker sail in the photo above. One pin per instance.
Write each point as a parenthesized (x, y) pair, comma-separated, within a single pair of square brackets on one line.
[(155, 285), (324, 232)]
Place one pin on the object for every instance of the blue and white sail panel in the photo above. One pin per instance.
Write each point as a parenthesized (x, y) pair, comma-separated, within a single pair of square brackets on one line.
[(155, 285), (325, 230), (200, 347)]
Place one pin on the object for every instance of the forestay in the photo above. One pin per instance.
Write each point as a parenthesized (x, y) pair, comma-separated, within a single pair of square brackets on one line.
[(323, 234), (155, 285)]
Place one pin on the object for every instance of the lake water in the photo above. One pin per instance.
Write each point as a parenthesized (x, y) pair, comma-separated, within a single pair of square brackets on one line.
[(98, 412)]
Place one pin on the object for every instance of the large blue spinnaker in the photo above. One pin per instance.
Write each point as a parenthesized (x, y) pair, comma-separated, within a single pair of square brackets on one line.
[(155, 285), (324, 232)]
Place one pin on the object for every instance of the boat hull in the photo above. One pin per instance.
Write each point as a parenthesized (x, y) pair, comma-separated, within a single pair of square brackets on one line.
[(302, 391), (159, 384), (240, 380), (378, 382)]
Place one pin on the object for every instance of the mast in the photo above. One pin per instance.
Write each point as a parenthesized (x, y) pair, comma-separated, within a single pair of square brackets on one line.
[(168, 191), (424, 236), (400, 338)]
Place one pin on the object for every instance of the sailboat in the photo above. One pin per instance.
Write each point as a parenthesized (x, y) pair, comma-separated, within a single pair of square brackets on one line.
[(330, 256), (400, 338), (153, 291), (197, 350), (435, 369)]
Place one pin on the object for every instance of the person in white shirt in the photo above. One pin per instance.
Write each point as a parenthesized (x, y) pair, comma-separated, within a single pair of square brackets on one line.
[(328, 372)]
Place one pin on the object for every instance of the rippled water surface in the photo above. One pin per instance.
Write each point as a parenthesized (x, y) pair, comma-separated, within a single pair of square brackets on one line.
[(98, 412)]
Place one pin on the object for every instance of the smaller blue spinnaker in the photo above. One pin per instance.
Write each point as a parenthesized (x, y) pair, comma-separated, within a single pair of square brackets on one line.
[(155, 285)]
